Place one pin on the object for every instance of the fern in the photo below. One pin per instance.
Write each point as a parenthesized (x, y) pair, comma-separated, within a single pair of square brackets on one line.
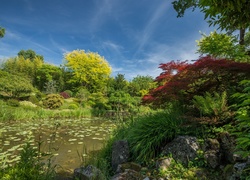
[(242, 128), (211, 105)]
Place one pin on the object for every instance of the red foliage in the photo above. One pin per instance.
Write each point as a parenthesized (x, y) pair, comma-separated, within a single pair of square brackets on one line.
[(180, 80), (65, 95)]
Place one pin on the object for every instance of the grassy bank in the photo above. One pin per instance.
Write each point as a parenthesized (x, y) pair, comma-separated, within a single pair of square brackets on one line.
[(27, 112)]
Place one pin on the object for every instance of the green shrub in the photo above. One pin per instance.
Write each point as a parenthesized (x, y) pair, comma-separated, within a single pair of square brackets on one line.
[(13, 102), (70, 93), (53, 101), (33, 99), (27, 104), (242, 128), (213, 106), (73, 106)]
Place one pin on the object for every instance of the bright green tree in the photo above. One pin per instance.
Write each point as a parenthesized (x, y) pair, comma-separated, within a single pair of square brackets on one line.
[(19, 65), (89, 68), (14, 86), (222, 46)]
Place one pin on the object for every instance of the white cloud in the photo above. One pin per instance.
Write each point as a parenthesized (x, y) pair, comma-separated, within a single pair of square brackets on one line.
[(145, 35)]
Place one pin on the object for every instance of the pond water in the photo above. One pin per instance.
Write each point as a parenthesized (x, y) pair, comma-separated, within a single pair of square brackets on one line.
[(68, 140)]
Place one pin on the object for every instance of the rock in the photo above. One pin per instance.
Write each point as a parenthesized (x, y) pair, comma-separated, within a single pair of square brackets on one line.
[(128, 165), (227, 144), (211, 144), (163, 164), (129, 174), (182, 148), (88, 173), (212, 158), (212, 153), (120, 153)]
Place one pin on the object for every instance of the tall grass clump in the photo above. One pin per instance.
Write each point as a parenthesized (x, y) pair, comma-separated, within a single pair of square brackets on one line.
[(148, 133)]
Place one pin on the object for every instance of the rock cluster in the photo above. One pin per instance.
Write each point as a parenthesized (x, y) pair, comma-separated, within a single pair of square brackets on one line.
[(218, 153)]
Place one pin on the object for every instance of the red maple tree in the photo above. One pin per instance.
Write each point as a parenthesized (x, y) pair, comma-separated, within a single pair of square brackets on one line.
[(182, 80)]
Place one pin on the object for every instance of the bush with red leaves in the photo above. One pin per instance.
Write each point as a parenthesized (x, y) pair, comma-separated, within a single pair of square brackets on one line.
[(182, 80), (65, 95)]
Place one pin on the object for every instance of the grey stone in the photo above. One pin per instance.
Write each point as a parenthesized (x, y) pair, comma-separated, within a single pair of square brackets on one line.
[(129, 174), (212, 158), (163, 164), (227, 144), (120, 153), (182, 148), (88, 173)]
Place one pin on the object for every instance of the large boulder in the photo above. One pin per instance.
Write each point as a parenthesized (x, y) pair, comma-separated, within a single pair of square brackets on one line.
[(182, 149), (120, 153)]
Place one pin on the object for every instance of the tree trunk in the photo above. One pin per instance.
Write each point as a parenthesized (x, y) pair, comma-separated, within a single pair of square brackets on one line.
[(242, 36)]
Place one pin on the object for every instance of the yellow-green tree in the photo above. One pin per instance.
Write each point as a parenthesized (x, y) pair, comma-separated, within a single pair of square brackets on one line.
[(88, 68)]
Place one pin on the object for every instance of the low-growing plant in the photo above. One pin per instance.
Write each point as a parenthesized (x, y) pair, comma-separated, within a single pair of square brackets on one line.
[(30, 166), (73, 106), (212, 105), (70, 93), (33, 99), (13, 102), (65, 95), (53, 101), (242, 128)]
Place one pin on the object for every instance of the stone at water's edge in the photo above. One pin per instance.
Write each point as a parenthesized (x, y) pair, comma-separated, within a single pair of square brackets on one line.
[(120, 153), (88, 173), (182, 148)]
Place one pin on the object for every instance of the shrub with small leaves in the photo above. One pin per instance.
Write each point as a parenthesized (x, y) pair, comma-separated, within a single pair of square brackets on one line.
[(33, 99), (73, 106), (53, 101), (70, 93), (13, 102)]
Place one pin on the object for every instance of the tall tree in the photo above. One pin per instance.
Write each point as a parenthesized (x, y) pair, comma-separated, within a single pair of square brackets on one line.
[(228, 15), (26, 67), (140, 85), (29, 54), (220, 45), (48, 73), (206, 74), (89, 68)]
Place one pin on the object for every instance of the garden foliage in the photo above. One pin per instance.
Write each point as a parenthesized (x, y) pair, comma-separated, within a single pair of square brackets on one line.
[(181, 80)]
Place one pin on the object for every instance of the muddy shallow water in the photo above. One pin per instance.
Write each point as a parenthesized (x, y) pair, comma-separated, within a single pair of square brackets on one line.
[(68, 140)]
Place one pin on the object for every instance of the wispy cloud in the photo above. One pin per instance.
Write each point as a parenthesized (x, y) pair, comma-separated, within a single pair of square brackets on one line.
[(151, 25), (101, 13), (113, 46)]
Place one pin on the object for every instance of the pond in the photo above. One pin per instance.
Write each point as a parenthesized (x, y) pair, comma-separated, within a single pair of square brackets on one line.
[(68, 140)]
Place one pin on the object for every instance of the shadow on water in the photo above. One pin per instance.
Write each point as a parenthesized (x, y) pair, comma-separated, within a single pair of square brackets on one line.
[(67, 140)]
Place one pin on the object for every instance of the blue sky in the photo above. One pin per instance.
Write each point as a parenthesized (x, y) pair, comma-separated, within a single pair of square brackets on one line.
[(133, 36)]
